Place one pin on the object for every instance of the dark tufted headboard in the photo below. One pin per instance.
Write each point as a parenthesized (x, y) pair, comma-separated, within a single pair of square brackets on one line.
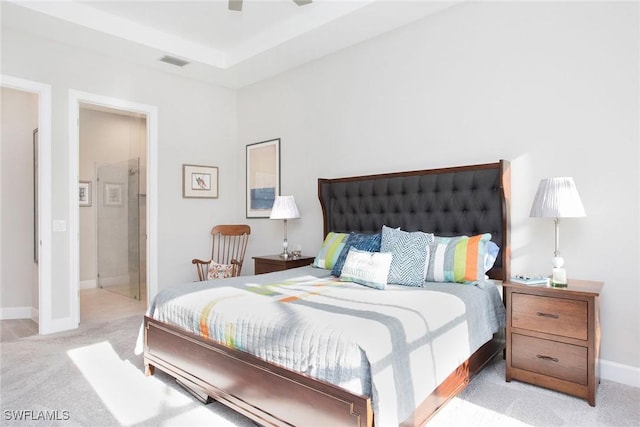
[(447, 202)]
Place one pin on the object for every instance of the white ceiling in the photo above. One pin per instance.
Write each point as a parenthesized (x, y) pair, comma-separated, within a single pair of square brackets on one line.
[(225, 47)]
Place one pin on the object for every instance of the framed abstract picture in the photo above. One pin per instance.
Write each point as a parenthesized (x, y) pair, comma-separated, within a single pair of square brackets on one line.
[(199, 181), (113, 194), (263, 177)]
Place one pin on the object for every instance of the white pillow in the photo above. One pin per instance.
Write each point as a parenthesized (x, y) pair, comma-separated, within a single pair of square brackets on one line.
[(366, 268), (220, 271)]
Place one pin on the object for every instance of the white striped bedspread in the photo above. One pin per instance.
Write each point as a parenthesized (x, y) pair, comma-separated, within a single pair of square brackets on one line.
[(395, 345)]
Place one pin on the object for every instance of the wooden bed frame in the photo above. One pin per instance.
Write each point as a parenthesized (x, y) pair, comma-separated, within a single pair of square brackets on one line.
[(272, 395)]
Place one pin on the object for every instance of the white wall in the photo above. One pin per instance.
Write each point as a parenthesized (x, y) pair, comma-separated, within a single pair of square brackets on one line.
[(551, 86), (197, 125), (19, 274)]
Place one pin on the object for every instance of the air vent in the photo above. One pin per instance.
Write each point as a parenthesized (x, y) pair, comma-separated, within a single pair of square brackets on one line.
[(174, 61)]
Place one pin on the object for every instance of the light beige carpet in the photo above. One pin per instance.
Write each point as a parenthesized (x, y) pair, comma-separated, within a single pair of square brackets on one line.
[(92, 377)]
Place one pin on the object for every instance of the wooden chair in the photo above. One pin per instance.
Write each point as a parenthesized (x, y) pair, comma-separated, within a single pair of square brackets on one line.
[(227, 248)]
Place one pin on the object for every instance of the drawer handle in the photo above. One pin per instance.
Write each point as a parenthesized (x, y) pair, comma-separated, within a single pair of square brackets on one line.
[(550, 315), (549, 358)]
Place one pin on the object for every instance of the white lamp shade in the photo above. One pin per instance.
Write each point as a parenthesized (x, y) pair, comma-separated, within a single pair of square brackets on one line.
[(284, 207), (557, 198)]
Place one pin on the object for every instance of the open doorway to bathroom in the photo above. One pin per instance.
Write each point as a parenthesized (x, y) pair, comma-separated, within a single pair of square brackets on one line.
[(112, 217)]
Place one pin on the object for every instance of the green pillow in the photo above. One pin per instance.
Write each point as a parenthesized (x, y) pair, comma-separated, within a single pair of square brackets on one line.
[(330, 250)]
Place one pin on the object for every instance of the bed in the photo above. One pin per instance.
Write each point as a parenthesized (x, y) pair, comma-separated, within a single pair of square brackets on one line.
[(385, 382)]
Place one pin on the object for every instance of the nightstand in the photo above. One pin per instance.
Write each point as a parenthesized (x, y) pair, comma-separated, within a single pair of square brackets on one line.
[(269, 263), (553, 336)]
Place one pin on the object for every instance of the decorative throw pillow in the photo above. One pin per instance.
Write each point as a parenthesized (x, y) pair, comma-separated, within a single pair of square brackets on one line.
[(410, 252), (366, 268), (330, 250), (364, 242), (491, 255), (219, 271), (458, 259)]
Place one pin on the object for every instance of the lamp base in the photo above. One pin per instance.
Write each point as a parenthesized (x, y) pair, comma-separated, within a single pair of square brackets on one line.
[(559, 276), (286, 255)]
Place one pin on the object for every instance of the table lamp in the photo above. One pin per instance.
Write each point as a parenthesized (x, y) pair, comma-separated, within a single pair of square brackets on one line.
[(285, 208), (557, 198)]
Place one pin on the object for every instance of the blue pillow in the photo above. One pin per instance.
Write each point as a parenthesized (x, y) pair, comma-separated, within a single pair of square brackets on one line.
[(491, 255), (410, 252), (364, 242)]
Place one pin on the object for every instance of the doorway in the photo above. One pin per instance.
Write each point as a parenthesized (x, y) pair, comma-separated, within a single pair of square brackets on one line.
[(42, 305), (112, 160), (19, 249), (122, 180)]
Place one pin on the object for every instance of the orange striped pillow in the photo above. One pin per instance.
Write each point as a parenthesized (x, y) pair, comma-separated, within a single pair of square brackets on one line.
[(459, 259)]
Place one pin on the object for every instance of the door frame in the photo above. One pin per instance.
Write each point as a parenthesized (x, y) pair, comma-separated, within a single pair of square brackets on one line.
[(46, 323), (75, 99)]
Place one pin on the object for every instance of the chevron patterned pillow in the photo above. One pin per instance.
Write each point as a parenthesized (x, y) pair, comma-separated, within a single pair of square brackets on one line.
[(410, 255)]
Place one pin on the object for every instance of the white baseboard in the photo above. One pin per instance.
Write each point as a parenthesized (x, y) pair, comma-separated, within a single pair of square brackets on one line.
[(88, 284), (35, 315), (9, 313), (620, 373)]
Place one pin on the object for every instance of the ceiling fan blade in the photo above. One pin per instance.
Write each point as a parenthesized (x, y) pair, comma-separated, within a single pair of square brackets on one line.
[(235, 5)]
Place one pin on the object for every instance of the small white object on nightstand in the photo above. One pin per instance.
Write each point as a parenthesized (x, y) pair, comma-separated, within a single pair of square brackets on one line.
[(559, 277)]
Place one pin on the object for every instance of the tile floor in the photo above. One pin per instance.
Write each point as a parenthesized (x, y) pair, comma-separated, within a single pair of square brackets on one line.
[(96, 305)]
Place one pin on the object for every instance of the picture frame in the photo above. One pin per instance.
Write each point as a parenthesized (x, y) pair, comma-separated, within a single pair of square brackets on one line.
[(113, 194), (199, 182), (263, 177), (84, 193)]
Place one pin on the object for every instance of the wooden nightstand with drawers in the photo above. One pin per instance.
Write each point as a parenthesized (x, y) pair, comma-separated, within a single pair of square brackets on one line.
[(270, 263), (553, 336)]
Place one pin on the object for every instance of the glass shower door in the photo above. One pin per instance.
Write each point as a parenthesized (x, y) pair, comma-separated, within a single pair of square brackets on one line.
[(118, 252)]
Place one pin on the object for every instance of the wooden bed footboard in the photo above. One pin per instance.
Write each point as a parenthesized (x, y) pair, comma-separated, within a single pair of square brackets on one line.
[(272, 395), (266, 393)]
